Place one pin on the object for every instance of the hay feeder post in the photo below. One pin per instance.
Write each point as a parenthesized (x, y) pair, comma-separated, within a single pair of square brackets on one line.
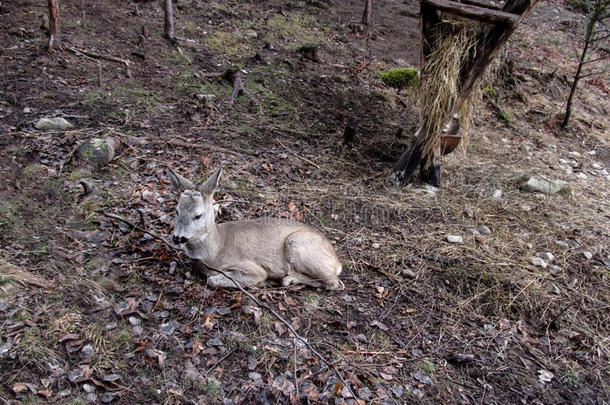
[(455, 54)]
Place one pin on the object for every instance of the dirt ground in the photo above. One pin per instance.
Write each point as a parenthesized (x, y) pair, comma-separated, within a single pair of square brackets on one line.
[(93, 310)]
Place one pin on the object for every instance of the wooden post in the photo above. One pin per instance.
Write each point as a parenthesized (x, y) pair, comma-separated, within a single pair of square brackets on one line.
[(366, 15), (488, 44), (168, 31), (54, 42)]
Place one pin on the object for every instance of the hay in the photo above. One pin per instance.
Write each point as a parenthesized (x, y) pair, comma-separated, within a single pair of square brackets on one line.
[(439, 88), (11, 276)]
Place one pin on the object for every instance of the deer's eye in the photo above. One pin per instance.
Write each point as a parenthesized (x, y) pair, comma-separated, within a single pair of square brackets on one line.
[(198, 217)]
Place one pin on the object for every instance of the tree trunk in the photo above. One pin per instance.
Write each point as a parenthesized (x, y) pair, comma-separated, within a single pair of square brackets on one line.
[(588, 37), (168, 31), (54, 42), (366, 15)]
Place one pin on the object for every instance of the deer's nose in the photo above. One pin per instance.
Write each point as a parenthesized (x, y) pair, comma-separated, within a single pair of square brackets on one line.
[(178, 240)]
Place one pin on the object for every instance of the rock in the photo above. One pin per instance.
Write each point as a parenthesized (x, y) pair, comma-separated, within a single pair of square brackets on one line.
[(137, 330), (375, 245), (365, 393), (596, 166), (547, 256), (484, 230), (538, 262), (409, 273), (362, 338), (133, 320), (497, 194), (53, 123), (582, 176), (87, 353), (554, 269), (254, 376), (588, 255), (251, 34), (553, 289), (591, 153), (526, 208), (562, 244), (423, 377), (574, 154), (98, 152), (472, 232), (469, 212), (207, 98), (172, 267), (88, 388), (539, 184), (454, 239)]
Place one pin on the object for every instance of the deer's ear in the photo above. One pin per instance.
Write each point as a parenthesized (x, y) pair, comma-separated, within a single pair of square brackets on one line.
[(179, 182), (211, 184)]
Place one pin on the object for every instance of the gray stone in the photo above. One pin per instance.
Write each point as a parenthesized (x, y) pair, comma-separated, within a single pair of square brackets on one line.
[(207, 98), (97, 151), (87, 353), (375, 245), (538, 262), (574, 154), (588, 255), (469, 212), (423, 377), (88, 388), (596, 166), (137, 330), (484, 230), (454, 239), (254, 376), (539, 184), (133, 320), (562, 244), (546, 256), (409, 273), (497, 194), (251, 34), (582, 176), (554, 269), (53, 123)]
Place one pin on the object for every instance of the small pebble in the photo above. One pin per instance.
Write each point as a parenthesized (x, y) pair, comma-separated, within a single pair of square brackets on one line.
[(547, 256), (588, 255), (375, 245), (497, 194), (596, 166), (134, 320), (529, 245), (538, 262), (562, 244), (582, 176), (554, 269), (484, 230), (408, 273), (454, 239)]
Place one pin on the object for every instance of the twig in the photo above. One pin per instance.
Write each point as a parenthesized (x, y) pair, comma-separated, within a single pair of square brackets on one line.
[(290, 328), (80, 51), (134, 226), (297, 155), (238, 86), (209, 370)]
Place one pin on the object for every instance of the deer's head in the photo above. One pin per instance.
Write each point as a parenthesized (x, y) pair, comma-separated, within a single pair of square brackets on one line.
[(195, 213)]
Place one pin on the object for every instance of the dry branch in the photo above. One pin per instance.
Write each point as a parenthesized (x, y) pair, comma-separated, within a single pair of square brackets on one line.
[(168, 29), (95, 55)]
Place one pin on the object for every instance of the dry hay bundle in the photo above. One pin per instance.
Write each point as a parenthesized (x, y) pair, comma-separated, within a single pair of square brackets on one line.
[(11, 276), (439, 86)]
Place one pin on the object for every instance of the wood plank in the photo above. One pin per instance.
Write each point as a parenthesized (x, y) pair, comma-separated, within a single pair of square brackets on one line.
[(477, 13), (479, 3)]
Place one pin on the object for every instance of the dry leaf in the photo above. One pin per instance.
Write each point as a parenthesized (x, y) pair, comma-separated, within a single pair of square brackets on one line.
[(18, 388), (379, 325), (67, 336)]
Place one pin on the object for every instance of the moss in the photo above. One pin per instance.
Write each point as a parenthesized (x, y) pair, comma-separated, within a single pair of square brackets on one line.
[(504, 116), (400, 78), (426, 366)]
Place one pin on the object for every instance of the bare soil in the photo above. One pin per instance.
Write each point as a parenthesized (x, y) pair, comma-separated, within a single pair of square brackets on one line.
[(126, 319)]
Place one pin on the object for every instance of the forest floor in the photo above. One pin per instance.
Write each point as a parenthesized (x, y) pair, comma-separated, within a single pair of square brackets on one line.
[(93, 310)]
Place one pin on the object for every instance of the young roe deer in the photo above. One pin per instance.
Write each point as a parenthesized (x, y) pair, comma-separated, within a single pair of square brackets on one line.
[(250, 251)]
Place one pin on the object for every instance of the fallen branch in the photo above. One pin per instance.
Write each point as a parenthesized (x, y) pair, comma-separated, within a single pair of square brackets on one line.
[(232, 75), (91, 54), (298, 156), (136, 227), (290, 328)]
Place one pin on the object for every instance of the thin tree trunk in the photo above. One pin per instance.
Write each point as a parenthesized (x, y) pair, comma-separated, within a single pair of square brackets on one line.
[(366, 15), (168, 31), (577, 76), (54, 42)]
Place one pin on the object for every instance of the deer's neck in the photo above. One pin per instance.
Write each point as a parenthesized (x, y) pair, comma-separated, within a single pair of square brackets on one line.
[(205, 247)]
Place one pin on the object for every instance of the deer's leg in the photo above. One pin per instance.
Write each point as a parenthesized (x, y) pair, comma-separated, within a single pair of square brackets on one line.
[(247, 275), (312, 260)]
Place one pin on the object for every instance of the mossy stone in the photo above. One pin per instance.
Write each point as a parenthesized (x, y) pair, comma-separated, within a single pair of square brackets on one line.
[(400, 78)]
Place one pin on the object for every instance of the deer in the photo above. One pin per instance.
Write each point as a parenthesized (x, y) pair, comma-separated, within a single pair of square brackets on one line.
[(249, 251)]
